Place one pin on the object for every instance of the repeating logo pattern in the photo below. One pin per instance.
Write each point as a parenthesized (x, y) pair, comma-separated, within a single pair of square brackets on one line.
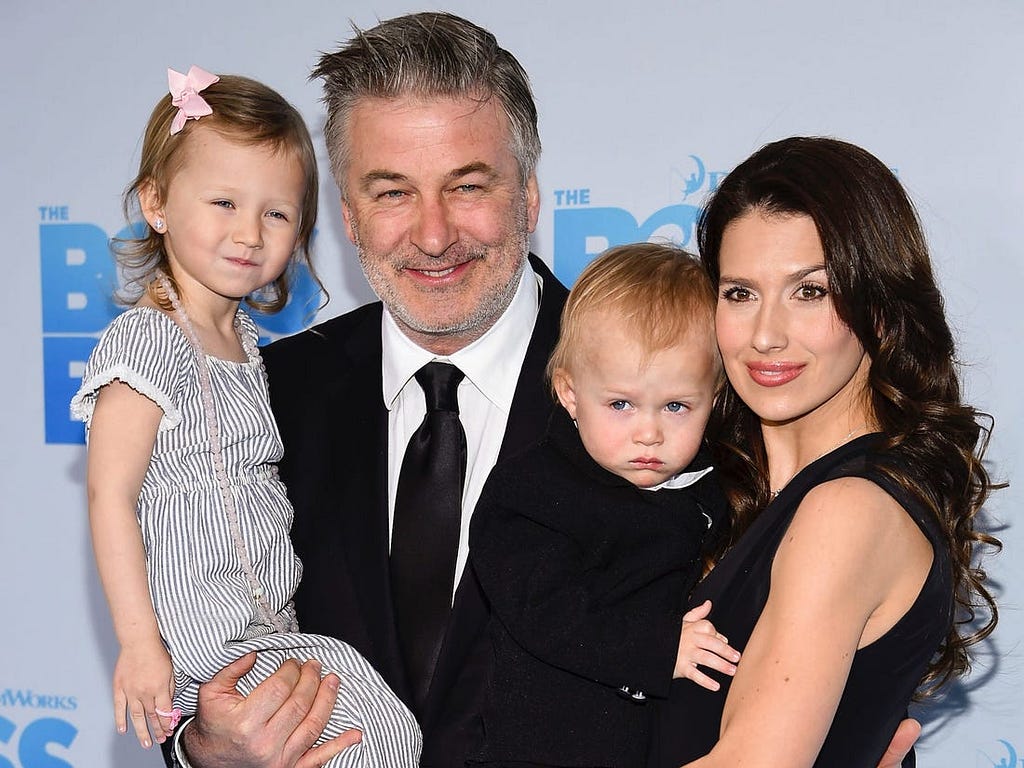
[(581, 231)]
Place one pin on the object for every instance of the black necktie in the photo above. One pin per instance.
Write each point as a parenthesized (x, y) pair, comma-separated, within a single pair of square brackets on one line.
[(428, 520)]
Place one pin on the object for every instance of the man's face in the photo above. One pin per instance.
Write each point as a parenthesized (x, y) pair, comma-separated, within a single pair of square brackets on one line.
[(432, 199)]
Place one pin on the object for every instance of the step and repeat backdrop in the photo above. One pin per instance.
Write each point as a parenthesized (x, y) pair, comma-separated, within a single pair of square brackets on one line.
[(644, 107)]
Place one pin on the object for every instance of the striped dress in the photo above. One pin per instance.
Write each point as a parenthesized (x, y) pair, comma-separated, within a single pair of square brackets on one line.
[(202, 594)]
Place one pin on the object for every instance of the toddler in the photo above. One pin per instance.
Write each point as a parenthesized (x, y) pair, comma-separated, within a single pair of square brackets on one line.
[(587, 544)]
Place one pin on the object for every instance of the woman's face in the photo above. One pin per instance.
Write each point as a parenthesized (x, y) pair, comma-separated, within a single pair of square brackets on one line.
[(786, 352)]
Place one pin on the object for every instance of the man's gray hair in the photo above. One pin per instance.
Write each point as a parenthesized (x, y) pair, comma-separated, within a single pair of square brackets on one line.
[(426, 54)]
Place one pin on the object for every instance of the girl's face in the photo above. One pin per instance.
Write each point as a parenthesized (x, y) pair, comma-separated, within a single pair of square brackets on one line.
[(640, 417), (786, 352), (232, 213)]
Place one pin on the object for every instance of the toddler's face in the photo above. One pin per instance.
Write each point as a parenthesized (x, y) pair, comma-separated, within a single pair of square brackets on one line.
[(640, 417)]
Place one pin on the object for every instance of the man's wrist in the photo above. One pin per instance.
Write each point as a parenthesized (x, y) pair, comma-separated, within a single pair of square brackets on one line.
[(180, 757)]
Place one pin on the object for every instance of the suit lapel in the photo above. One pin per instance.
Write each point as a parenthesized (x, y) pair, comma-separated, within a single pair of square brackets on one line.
[(359, 425), (532, 404)]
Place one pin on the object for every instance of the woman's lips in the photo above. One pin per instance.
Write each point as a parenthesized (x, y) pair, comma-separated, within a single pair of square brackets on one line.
[(774, 374)]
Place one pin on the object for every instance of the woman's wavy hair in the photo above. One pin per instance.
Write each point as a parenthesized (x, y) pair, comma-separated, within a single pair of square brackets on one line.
[(245, 111), (882, 287)]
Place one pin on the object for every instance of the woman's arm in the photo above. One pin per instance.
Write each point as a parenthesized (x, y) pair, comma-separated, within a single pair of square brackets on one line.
[(121, 436), (851, 563)]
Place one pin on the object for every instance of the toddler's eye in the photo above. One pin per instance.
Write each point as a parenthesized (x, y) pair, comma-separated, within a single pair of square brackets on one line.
[(675, 407), (619, 405)]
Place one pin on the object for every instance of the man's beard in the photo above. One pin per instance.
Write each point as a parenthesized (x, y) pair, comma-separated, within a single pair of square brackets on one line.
[(492, 302)]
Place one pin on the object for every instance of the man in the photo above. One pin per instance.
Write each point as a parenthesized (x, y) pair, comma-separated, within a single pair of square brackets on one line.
[(432, 135)]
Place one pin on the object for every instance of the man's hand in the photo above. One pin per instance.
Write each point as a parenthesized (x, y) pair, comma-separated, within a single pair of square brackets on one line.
[(274, 727), (902, 742)]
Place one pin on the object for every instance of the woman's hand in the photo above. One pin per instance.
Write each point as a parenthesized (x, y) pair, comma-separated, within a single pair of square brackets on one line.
[(700, 644)]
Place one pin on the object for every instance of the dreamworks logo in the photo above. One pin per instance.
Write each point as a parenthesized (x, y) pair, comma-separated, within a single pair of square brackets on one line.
[(19, 697), (582, 230), (79, 283), (32, 735), (1004, 756)]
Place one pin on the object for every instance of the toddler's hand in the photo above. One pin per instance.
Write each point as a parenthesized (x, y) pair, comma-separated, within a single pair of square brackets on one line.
[(700, 643), (143, 687)]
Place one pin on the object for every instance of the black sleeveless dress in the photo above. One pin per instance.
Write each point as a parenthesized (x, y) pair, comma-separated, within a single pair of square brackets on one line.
[(884, 674)]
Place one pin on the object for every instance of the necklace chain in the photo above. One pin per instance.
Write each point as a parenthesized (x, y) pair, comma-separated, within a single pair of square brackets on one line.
[(267, 615), (842, 441)]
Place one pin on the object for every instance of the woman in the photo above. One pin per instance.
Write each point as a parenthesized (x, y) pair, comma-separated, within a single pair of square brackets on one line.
[(853, 468)]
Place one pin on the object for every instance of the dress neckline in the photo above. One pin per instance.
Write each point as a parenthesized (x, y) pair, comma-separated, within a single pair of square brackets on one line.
[(827, 460), (249, 347)]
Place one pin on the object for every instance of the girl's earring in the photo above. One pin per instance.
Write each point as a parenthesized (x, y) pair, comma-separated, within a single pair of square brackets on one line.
[(158, 225)]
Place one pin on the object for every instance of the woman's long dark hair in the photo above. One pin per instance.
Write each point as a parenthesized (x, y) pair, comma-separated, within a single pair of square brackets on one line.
[(882, 287)]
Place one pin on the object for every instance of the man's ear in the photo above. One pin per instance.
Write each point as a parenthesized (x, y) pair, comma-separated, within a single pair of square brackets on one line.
[(346, 215), (532, 202), (150, 203), (561, 380)]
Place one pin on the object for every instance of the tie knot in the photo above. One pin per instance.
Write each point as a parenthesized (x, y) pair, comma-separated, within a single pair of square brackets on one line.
[(440, 383)]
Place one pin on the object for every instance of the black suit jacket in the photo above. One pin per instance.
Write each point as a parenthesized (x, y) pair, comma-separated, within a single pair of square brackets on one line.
[(326, 392), (587, 578)]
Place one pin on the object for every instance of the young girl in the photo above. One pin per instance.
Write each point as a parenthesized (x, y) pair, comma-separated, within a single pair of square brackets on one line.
[(587, 544), (189, 520)]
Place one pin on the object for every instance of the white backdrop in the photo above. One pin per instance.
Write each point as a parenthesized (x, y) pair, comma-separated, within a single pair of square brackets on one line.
[(644, 105)]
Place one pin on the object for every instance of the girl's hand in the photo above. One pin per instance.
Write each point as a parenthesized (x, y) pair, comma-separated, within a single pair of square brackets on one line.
[(143, 687), (699, 643)]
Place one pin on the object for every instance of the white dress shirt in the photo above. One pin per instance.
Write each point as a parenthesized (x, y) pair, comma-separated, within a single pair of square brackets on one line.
[(491, 365)]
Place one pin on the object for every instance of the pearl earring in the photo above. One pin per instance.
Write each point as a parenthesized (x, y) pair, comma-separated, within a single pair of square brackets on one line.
[(158, 225)]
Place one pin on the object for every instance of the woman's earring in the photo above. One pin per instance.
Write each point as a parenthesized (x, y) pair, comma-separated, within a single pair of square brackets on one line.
[(158, 225)]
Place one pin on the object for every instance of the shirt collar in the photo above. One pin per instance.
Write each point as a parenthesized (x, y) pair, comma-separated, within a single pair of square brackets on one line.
[(682, 480), (491, 363)]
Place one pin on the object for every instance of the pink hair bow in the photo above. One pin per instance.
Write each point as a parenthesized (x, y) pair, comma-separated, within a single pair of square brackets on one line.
[(185, 95)]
